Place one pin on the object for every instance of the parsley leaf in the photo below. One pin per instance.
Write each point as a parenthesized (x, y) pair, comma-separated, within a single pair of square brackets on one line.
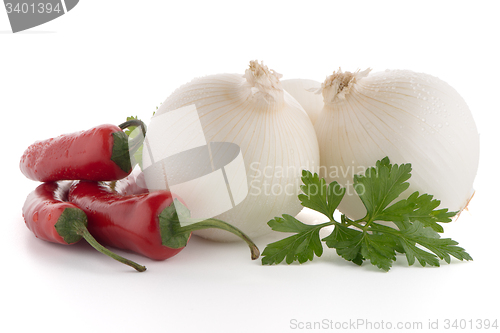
[(320, 196), (300, 247), (426, 237), (416, 220), (347, 243), (380, 186), (306, 242)]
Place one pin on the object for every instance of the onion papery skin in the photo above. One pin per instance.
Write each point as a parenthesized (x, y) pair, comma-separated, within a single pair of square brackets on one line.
[(274, 133), (411, 118), (305, 92)]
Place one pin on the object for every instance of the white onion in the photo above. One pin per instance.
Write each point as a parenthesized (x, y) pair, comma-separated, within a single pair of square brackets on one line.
[(275, 135), (411, 118), (304, 91)]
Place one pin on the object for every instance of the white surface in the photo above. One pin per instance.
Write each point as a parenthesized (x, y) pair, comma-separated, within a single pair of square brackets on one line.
[(106, 60)]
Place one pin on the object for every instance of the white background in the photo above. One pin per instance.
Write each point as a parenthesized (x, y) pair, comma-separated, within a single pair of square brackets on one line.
[(106, 60)]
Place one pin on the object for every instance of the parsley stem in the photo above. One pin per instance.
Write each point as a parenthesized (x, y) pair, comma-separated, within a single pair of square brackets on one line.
[(360, 226), (349, 222), (387, 230)]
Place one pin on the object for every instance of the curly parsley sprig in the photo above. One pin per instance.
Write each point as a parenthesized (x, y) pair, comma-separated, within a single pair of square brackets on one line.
[(416, 219)]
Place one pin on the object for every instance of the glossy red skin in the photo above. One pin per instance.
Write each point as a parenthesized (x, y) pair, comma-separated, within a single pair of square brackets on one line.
[(84, 155), (41, 211), (128, 222)]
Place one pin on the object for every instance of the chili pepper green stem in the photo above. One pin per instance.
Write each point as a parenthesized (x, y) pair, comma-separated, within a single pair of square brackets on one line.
[(218, 224), (72, 226), (136, 142), (83, 231), (133, 122)]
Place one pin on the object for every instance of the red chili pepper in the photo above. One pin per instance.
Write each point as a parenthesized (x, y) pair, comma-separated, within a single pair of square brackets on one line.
[(57, 221), (145, 223), (99, 154)]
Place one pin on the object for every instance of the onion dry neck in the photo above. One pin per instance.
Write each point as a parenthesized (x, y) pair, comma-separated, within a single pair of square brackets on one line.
[(338, 85), (264, 84)]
